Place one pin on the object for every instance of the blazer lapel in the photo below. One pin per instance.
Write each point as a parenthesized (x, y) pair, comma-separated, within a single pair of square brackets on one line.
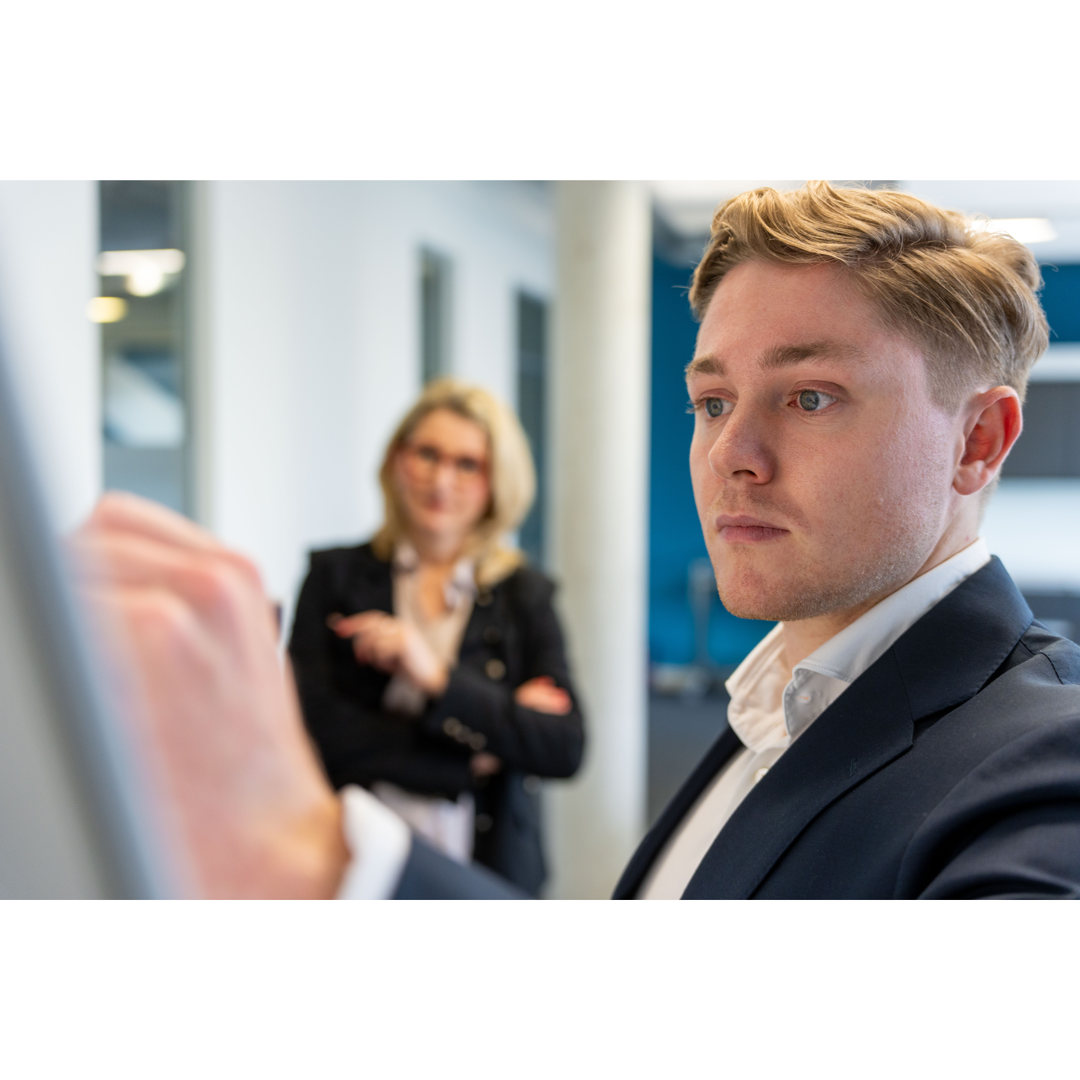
[(949, 654), (866, 727), (944, 659), (369, 586), (714, 760)]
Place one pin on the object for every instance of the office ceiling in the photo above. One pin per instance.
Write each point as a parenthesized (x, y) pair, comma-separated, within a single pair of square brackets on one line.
[(685, 208)]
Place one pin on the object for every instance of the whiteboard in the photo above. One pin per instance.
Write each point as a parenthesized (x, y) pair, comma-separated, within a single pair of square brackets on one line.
[(73, 821)]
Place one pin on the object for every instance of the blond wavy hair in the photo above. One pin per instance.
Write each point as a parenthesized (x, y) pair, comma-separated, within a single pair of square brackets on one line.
[(967, 296), (512, 476)]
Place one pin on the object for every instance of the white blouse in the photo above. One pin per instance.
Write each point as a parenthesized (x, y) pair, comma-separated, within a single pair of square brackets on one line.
[(447, 826)]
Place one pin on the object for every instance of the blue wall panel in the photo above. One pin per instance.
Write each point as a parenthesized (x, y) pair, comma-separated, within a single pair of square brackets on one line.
[(1061, 301)]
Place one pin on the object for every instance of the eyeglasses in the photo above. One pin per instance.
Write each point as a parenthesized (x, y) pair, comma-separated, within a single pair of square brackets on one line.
[(424, 462)]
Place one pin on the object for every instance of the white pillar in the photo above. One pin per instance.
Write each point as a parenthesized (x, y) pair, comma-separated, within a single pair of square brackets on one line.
[(600, 439)]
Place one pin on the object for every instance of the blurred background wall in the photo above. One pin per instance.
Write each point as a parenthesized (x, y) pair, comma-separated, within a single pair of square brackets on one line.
[(315, 308), (48, 246), (241, 351)]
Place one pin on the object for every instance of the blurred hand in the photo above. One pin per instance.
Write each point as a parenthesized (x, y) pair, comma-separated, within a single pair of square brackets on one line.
[(189, 641), (484, 764), (542, 695), (394, 646)]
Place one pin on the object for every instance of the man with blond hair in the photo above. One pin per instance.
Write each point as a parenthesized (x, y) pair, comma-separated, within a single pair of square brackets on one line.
[(906, 730)]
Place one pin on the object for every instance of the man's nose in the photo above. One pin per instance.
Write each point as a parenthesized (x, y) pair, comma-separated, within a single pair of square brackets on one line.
[(743, 449)]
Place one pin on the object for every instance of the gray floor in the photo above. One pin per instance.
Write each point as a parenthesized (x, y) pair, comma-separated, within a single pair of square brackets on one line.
[(680, 731)]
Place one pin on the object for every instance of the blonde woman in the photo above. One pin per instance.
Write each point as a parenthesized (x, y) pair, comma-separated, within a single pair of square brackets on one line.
[(430, 662)]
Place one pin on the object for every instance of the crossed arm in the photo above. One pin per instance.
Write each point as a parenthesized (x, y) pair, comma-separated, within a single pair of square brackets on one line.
[(395, 646)]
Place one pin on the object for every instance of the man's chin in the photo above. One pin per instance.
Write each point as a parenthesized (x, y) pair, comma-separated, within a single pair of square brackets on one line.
[(764, 609), (751, 588), (753, 598), (782, 594), (792, 597)]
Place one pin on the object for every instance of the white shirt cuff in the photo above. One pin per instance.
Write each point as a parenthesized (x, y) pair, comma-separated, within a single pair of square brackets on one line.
[(379, 843)]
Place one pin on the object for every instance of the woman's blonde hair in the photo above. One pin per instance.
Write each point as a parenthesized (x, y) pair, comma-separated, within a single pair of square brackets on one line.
[(965, 294), (511, 470)]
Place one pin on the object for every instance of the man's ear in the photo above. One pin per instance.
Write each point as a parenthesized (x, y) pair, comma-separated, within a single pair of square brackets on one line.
[(993, 423)]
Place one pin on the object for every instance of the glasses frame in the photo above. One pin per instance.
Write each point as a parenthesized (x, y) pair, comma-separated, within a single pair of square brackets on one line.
[(464, 469)]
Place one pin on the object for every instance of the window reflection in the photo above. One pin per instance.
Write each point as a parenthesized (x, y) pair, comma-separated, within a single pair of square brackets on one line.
[(141, 265)]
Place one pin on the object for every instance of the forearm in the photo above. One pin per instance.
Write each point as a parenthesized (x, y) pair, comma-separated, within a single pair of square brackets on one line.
[(477, 714)]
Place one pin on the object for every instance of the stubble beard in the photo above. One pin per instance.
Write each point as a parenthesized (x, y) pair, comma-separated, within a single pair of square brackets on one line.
[(796, 582)]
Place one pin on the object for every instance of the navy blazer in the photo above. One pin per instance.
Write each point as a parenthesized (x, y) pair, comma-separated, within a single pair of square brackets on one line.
[(950, 768)]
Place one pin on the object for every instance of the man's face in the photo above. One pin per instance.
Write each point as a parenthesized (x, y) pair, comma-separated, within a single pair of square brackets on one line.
[(822, 470)]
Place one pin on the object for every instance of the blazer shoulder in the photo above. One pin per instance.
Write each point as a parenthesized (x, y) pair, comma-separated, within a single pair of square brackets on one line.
[(339, 566), (1038, 682), (1062, 654), (528, 587), (351, 554)]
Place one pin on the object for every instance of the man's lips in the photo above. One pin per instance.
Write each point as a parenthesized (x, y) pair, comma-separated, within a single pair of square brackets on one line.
[(740, 529)]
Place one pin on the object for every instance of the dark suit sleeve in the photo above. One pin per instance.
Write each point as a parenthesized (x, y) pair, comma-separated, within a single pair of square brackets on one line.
[(482, 714), (429, 875), (358, 741)]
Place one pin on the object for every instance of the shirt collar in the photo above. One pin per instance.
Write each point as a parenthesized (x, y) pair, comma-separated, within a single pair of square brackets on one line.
[(768, 709)]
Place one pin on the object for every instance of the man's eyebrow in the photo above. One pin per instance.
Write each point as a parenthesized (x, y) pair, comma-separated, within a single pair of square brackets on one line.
[(778, 357), (786, 355), (704, 365)]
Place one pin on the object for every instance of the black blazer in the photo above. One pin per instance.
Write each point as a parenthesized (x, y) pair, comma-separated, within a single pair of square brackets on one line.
[(950, 768), (512, 636)]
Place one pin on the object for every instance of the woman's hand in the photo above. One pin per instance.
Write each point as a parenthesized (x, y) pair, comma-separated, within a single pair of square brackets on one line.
[(542, 695), (484, 764), (393, 646)]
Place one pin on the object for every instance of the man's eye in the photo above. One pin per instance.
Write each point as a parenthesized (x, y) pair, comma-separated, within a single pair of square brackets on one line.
[(814, 400), (714, 406)]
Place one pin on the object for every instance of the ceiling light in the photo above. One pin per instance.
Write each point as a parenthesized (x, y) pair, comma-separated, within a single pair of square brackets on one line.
[(1028, 230), (106, 309), (145, 272)]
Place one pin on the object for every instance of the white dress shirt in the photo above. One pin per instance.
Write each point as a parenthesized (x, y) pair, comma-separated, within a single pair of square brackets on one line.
[(378, 841), (769, 710)]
